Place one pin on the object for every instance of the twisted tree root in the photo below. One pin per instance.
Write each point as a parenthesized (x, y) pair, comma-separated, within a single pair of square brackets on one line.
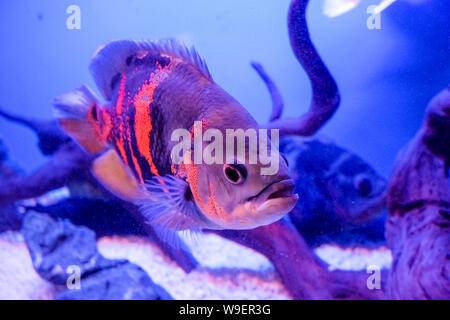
[(418, 228)]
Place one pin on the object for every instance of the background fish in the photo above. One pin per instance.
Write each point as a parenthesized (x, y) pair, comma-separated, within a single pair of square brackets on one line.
[(151, 90), (343, 197)]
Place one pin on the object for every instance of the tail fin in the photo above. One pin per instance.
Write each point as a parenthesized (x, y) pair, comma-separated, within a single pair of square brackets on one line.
[(77, 113)]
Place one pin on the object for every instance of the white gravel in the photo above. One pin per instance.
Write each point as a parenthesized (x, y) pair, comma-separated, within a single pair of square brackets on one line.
[(227, 270), (354, 258), (18, 280)]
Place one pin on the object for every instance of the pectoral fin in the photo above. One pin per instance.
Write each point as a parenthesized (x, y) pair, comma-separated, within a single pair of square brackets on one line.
[(110, 170), (169, 209)]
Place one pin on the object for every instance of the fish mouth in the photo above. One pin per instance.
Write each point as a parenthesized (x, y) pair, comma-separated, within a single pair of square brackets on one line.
[(267, 206), (278, 195)]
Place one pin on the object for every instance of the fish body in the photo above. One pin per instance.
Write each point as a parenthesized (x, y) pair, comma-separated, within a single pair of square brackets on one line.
[(153, 90), (343, 197)]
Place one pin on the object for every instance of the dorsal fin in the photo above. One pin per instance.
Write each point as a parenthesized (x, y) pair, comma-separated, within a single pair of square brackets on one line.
[(111, 59), (176, 49)]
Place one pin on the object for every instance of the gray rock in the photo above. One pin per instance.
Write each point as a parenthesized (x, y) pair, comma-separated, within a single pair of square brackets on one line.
[(57, 245), (124, 281), (54, 246)]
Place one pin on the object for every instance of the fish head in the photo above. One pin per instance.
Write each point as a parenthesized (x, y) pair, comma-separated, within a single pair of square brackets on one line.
[(357, 190), (333, 182), (240, 193)]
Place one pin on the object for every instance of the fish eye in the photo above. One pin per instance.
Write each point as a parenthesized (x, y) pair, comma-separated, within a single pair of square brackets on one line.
[(364, 186), (235, 173)]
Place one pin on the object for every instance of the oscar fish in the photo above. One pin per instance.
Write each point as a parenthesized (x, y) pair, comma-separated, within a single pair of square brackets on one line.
[(150, 90)]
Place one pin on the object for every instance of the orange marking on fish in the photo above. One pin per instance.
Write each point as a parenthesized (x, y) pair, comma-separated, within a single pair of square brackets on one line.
[(136, 165), (192, 179), (172, 168), (121, 97), (121, 148), (143, 122), (133, 157), (162, 182), (204, 124), (213, 202), (119, 111)]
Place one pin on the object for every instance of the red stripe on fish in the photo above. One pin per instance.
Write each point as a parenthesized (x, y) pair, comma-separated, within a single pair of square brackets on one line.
[(135, 160), (121, 96), (192, 178), (119, 113), (143, 122), (123, 134)]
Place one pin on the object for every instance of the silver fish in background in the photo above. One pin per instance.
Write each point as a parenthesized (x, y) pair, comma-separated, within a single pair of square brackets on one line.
[(151, 90)]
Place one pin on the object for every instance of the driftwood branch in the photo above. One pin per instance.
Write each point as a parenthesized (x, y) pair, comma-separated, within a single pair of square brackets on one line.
[(418, 228), (275, 95), (50, 139), (66, 163), (325, 100), (300, 270)]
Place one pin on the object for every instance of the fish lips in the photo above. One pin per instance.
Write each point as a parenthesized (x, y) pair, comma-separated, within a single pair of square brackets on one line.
[(264, 208), (278, 197)]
